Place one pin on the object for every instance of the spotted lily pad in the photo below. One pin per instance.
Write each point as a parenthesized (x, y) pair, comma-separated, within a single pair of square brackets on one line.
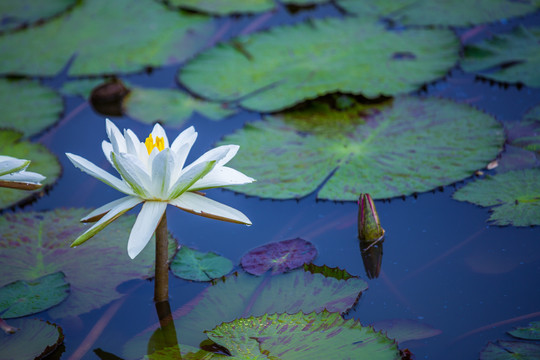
[(14, 14), (396, 148), (531, 332), (37, 243), (510, 350), (220, 7), (403, 330), (245, 295), (28, 106), (303, 336), (21, 298), (195, 265), (514, 195), (168, 106), (94, 34), (35, 339), (273, 70), (448, 12), (511, 58), (279, 256), (43, 162)]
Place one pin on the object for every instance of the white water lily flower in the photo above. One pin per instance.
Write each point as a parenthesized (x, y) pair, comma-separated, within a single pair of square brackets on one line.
[(13, 174), (152, 172)]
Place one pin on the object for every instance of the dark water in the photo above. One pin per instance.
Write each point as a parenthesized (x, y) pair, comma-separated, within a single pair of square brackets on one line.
[(443, 265)]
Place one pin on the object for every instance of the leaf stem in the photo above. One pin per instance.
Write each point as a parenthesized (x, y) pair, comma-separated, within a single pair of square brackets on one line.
[(161, 288)]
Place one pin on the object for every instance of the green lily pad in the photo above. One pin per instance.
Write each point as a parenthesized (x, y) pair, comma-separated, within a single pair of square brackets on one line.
[(14, 14), (170, 107), (22, 298), (396, 148), (303, 336), (220, 7), (511, 58), (511, 350), (403, 330), (514, 195), (273, 70), (80, 87), (37, 243), (34, 340), (184, 352), (447, 13), (195, 265), (43, 162), (95, 35), (244, 295), (531, 332), (28, 106)]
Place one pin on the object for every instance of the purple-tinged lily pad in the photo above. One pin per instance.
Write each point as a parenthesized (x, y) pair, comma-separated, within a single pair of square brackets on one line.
[(37, 243), (35, 339), (531, 332), (22, 298), (511, 350), (403, 330), (279, 256)]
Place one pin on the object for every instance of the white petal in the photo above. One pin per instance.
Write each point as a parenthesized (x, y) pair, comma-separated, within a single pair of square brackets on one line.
[(24, 177), (129, 167), (162, 168), (222, 154), (107, 150), (187, 136), (117, 140), (132, 142), (102, 210), (200, 205), (145, 225), (221, 176), (158, 131), (10, 165), (190, 177), (100, 174), (112, 215)]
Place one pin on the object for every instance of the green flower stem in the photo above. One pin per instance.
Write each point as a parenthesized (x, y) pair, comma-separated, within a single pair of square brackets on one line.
[(161, 288)]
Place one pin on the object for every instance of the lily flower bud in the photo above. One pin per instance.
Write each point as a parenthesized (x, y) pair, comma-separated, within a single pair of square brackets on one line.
[(369, 227)]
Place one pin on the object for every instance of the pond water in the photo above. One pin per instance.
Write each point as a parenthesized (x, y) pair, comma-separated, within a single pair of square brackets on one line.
[(443, 264)]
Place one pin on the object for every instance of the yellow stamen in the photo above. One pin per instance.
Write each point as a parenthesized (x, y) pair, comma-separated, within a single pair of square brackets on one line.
[(150, 145)]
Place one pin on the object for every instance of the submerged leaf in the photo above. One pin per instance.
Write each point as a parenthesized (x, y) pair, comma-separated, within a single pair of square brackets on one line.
[(531, 332), (279, 256), (28, 106), (34, 340), (303, 336), (514, 195), (43, 162), (512, 57), (22, 298), (273, 70), (510, 350), (92, 33), (447, 12), (37, 243), (395, 148), (195, 265), (403, 330)]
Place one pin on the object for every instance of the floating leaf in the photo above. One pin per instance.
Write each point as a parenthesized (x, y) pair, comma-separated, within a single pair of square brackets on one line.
[(195, 265), (511, 58), (37, 243), (43, 162), (531, 332), (403, 330), (391, 149), (335, 272), (187, 353), (514, 195), (273, 70), (303, 336), (95, 35), (168, 106), (448, 12), (14, 14), (80, 87), (28, 106), (245, 295), (220, 7), (22, 298), (510, 350), (279, 256), (34, 340)]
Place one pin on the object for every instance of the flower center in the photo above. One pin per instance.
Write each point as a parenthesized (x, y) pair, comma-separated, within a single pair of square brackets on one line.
[(150, 144)]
